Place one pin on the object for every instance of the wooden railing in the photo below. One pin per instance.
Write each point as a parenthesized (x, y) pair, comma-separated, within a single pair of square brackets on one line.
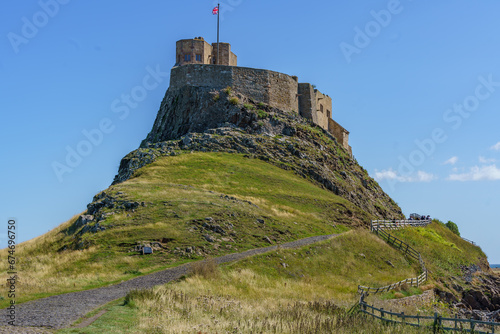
[(437, 322), (397, 224), (470, 241), (379, 227)]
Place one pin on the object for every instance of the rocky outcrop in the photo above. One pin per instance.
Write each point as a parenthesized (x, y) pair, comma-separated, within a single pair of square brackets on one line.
[(102, 206), (197, 119), (484, 294)]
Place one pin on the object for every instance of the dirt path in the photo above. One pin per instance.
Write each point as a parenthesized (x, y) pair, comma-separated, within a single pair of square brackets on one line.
[(62, 310)]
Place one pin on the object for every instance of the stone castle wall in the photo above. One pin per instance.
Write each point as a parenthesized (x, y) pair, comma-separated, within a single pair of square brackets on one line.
[(341, 134), (198, 51), (225, 54), (275, 89), (323, 109)]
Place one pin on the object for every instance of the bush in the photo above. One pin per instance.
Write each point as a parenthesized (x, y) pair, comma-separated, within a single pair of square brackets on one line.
[(234, 100), (206, 269), (249, 106), (216, 97), (453, 227), (261, 104), (228, 90), (262, 114)]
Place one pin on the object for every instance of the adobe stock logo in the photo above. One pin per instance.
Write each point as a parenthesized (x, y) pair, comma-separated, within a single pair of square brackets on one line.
[(371, 30), (31, 26), (122, 108), (453, 118)]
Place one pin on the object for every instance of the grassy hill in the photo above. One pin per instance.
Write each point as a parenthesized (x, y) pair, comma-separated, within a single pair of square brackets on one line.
[(306, 290), (185, 197), (200, 205)]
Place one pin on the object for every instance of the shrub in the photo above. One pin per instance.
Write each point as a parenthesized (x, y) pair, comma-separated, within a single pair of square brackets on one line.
[(262, 114), (234, 100), (216, 97), (249, 106), (453, 227), (206, 269), (228, 90)]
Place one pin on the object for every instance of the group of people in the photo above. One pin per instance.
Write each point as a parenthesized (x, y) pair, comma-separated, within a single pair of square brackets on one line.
[(415, 216)]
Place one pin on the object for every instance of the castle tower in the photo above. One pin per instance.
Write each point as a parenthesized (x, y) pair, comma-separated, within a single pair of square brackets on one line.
[(198, 51), (226, 56), (193, 51)]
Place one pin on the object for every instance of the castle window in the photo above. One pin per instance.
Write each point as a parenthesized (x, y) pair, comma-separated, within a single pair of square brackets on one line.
[(198, 57), (321, 108), (187, 57)]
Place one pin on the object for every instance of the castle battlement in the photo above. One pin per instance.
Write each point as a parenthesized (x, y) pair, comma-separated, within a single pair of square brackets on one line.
[(276, 89), (198, 51)]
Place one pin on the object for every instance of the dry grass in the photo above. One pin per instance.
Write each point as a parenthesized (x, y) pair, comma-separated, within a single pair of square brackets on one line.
[(258, 295), (206, 268), (242, 301)]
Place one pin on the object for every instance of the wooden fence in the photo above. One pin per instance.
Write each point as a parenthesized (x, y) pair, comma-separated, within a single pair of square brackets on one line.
[(379, 227), (397, 224), (437, 322), (470, 241)]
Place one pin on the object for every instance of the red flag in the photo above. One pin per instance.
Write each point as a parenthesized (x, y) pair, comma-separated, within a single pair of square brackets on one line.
[(215, 11)]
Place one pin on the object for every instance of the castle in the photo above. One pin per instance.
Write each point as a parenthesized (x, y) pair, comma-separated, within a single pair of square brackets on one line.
[(195, 66)]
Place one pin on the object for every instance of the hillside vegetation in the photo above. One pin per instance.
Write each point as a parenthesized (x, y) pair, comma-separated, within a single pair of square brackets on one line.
[(306, 290), (236, 202)]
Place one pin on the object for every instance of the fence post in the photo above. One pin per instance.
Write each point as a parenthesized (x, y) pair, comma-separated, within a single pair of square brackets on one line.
[(435, 322), (456, 317), (472, 325), (403, 319), (382, 313)]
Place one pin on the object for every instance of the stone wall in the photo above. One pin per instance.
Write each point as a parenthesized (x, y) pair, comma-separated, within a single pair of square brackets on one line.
[(307, 101), (226, 56), (275, 89), (193, 47), (278, 90), (323, 109), (340, 133)]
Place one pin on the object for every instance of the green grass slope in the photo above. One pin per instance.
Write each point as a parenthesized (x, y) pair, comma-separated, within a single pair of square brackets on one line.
[(306, 290), (252, 201)]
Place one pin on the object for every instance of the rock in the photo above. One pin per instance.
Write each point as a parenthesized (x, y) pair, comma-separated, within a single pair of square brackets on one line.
[(362, 255), (476, 299), (82, 220), (130, 205), (260, 221), (266, 238), (208, 238), (218, 229), (389, 263), (189, 249), (284, 265), (446, 296)]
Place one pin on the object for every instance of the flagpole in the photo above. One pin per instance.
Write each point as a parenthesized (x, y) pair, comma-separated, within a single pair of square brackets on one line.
[(218, 13)]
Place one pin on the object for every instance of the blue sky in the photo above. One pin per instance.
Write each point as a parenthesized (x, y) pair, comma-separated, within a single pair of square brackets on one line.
[(416, 83)]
